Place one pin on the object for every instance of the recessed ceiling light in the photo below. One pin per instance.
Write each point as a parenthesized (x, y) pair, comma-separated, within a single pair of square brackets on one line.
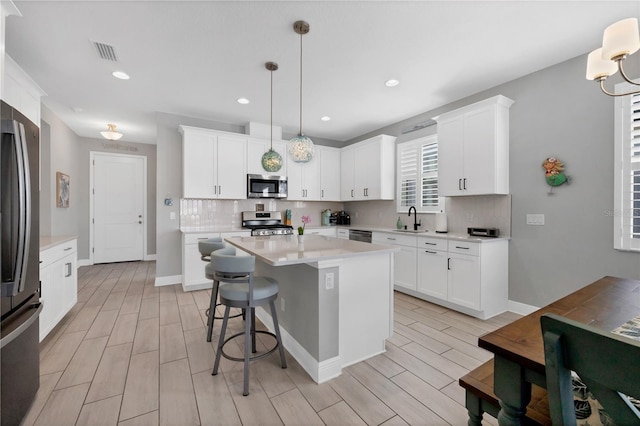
[(325, 118), (77, 109), (391, 83), (121, 75), (243, 101)]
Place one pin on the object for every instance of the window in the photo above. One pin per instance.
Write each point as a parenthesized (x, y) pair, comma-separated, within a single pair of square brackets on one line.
[(626, 211), (418, 175)]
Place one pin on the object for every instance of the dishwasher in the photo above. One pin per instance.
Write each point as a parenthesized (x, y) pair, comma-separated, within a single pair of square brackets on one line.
[(360, 235)]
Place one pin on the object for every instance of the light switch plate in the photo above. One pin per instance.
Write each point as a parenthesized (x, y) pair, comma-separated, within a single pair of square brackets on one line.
[(172, 215), (535, 219)]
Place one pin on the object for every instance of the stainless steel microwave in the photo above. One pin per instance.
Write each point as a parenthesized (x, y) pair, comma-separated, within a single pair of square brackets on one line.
[(266, 186)]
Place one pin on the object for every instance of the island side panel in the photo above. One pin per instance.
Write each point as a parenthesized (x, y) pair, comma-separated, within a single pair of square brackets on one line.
[(310, 314), (366, 301)]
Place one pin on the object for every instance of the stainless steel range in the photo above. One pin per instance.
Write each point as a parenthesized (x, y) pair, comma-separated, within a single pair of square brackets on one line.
[(265, 223)]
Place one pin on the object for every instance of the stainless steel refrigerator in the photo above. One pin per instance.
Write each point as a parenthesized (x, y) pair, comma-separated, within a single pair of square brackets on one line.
[(19, 252)]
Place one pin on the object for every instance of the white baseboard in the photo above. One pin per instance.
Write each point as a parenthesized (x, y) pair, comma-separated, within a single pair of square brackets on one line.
[(84, 262), (521, 308), (150, 257), (319, 371), (168, 280)]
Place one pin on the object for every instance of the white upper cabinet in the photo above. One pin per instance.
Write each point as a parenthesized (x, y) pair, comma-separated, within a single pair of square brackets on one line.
[(21, 92), (213, 164), (256, 148), (303, 179), (473, 149), (329, 173), (368, 169)]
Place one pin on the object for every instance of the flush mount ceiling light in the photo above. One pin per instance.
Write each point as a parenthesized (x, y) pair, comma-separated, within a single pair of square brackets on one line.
[(391, 83), (243, 101), (300, 146), (619, 40), (121, 75), (111, 133), (271, 160)]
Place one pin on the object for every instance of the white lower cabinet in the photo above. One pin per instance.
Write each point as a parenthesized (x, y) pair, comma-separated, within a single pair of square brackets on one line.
[(432, 267), (193, 276), (58, 284), (404, 269), (470, 277)]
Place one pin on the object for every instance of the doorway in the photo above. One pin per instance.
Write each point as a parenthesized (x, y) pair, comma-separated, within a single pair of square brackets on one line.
[(118, 208)]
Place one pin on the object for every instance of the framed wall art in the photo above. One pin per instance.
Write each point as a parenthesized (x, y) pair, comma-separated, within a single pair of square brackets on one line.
[(62, 190)]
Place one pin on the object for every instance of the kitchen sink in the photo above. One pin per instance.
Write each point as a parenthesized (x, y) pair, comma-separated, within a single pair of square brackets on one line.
[(411, 231)]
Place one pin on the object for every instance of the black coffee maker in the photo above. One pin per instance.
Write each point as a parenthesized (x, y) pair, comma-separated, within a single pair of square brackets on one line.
[(343, 218)]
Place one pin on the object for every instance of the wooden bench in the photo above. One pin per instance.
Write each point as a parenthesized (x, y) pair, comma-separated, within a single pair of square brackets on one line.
[(478, 385)]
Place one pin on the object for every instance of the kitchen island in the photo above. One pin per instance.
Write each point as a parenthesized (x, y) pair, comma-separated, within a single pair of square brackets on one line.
[(335, 300)]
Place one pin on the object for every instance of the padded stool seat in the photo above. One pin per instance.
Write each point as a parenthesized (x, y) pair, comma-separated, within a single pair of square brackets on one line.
[(208, 246), (243, 290)]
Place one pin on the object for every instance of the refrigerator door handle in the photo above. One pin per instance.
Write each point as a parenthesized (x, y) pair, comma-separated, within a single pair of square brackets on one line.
[(13, 334), (24, 207)]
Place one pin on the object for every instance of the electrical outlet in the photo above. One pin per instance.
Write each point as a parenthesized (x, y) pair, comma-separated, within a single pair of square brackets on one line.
[(282, 304), (172, 215), (328, 281)]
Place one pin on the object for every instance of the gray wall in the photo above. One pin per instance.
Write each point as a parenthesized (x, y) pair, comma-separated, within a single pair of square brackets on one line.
[(557, 112), (169, 181), (59, 146), (64, 151)]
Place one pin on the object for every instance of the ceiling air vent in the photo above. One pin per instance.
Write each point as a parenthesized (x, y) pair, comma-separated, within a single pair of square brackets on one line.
[(106, 51)]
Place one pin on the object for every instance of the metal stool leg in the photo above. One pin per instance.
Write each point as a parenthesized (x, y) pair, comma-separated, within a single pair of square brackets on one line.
[(221, 341), (248, 334), (283, 360), (253, 330), (212, 309)]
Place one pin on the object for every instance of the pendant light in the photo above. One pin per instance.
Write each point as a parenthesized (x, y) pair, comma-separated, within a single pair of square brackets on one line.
[(271, 160), (300, 146), (111, 133)]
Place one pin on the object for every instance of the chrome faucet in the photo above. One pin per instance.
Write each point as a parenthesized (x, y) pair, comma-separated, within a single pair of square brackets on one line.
[(415, 218)]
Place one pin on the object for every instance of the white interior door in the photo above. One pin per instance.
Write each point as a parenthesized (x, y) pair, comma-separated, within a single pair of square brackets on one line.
[(118, 207)]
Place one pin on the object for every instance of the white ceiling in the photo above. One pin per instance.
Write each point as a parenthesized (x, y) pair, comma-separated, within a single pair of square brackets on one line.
[(196, 58)]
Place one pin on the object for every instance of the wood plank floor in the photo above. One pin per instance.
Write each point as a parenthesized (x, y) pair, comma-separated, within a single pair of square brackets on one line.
[(130, 353)]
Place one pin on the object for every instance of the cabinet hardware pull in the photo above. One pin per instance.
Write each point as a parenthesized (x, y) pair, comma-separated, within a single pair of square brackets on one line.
[(460, 184), (463, 248), (140, 222), (203, 238), (219, 190), (215, 189), (322, 193), (68, 265), (352, 193), (392, 239), (464, 184), (67, 249), (449, 263), (430, 252), (431, 244)]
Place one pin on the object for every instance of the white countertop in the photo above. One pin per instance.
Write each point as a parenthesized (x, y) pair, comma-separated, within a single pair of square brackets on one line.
[(278, 250), (49, 241)]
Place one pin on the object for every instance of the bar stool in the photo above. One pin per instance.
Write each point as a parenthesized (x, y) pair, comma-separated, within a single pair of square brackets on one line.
[(206, 247), (244, 291)]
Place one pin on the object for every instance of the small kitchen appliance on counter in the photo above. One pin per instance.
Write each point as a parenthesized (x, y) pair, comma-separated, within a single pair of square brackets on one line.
[(265, 223), (344, 218), (326, 217), (484, 232)]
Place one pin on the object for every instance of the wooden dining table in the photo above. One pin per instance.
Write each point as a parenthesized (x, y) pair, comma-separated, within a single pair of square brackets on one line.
[(519, 350)]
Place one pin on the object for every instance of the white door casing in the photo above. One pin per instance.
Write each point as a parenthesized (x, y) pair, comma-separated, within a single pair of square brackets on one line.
[(118, 207)]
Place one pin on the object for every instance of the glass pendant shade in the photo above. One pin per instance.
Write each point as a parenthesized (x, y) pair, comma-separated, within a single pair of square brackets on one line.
[(598, 67), (620, 38), (271, 161), (301, 149)]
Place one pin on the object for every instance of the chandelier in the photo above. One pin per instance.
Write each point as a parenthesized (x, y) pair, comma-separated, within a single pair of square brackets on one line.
[(619, 40), (111, 133), (271, 160)]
